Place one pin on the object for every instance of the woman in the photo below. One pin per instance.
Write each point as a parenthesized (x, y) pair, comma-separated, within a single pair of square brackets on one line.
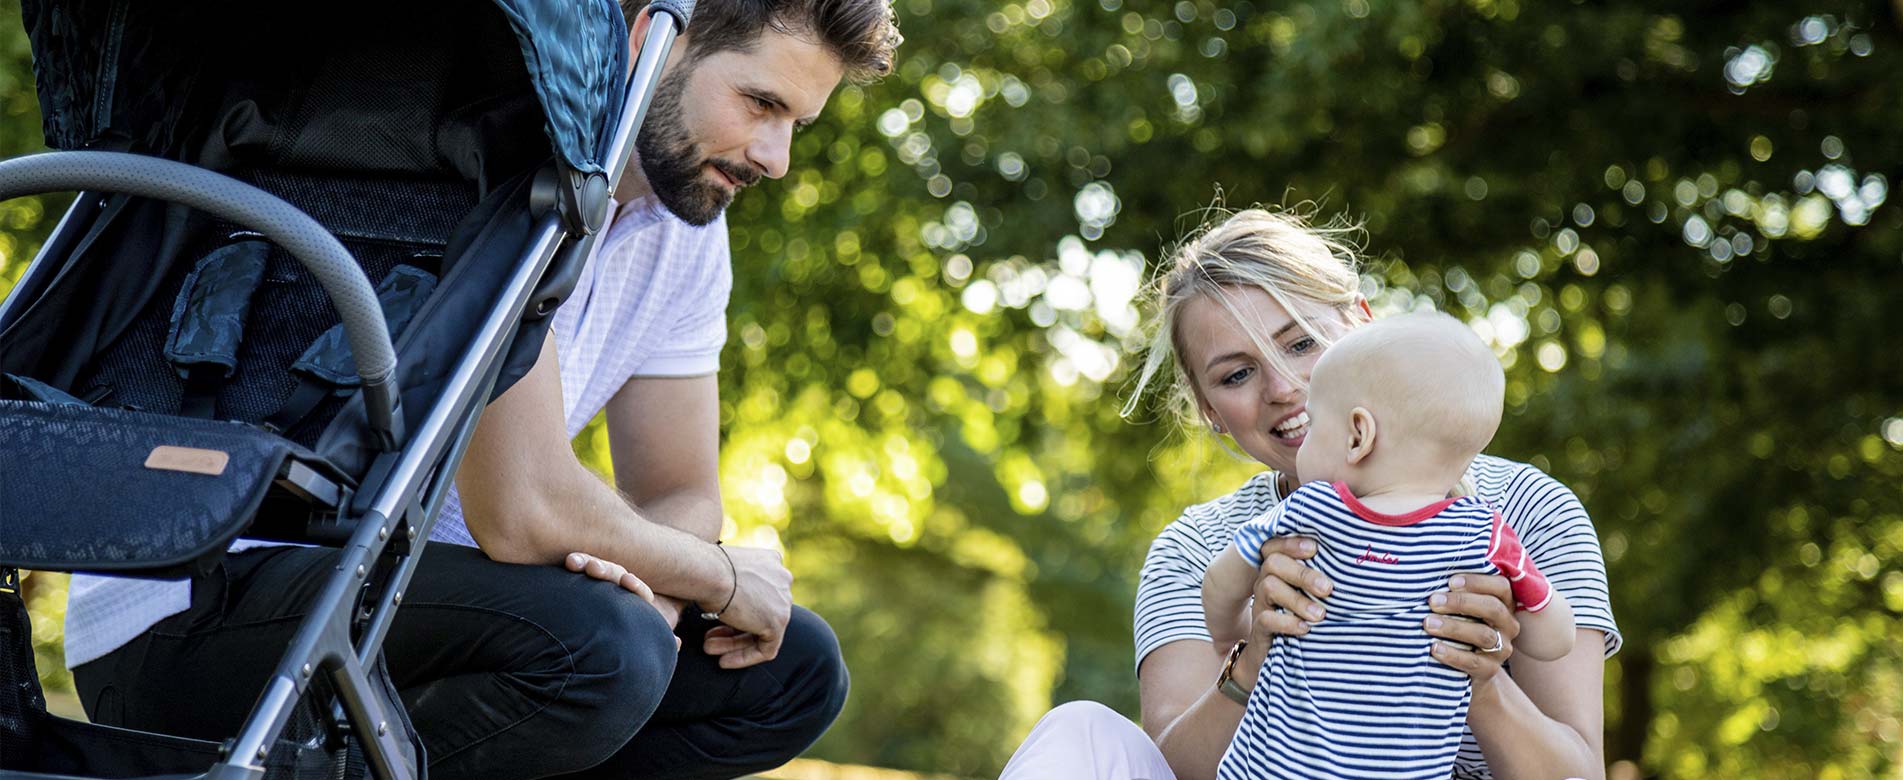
[(1246, 309)]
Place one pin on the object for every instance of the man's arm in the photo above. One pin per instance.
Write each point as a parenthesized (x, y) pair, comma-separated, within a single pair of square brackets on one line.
[(664, 435), (527, 499)]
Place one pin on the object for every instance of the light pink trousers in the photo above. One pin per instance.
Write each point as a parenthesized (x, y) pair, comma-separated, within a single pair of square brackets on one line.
[(1087, 741)]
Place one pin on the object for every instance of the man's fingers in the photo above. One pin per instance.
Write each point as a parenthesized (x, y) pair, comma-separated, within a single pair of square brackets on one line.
[(743, 658), (718, 642), (770, 646), (735, 649), (634, 585), (604, 570), (757, 651), (608, 571)]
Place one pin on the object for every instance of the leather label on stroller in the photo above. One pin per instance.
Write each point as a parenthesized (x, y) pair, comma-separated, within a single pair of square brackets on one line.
[(191, 460)]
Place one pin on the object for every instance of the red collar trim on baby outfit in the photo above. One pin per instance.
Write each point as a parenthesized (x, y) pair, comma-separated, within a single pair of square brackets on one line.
[(1410, 518)]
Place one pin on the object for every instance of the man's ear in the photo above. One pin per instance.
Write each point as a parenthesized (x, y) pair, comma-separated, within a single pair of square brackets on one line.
[(1361, 432), (638, 31)]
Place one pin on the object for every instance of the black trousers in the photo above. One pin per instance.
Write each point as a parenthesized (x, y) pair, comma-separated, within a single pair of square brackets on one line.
[(508, 671)]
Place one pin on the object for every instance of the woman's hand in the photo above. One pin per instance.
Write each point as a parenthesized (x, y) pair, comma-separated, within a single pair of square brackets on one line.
[(1486, 604), (1285, 605)]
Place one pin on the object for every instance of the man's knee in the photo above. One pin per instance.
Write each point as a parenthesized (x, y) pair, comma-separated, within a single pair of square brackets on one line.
[(818, 682), (619, 670)]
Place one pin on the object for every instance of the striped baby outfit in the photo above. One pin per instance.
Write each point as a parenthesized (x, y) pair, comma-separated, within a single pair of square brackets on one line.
[(1359, 696)]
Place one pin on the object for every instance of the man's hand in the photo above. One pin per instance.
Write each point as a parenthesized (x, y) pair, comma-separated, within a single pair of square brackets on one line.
[(609, 571), (762, 605)]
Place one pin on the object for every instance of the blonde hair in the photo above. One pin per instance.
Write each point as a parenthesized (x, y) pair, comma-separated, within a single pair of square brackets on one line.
[(1282, 253)]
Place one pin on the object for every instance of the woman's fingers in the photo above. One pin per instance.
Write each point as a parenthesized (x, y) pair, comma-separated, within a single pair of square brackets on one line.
[(1474, 634), (1283, 602), (1479, 666), (1275, 622), (1283, 556), (1486, 600), (1272, 591), (1483, 597)]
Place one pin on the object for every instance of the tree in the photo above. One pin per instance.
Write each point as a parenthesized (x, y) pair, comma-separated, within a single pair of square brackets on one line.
[(1672, 220)]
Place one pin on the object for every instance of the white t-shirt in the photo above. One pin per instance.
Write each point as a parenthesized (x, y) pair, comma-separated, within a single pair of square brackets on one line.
[(652, 302), (1546, 516)]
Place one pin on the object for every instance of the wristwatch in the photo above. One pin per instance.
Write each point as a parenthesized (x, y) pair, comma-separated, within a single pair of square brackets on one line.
[(1227, 683)]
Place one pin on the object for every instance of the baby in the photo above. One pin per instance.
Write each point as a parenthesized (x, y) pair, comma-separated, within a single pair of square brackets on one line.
[(1397, 410)]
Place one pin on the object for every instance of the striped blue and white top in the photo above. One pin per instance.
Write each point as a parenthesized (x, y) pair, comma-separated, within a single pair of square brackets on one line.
[(1360, 696), (1544, 514)]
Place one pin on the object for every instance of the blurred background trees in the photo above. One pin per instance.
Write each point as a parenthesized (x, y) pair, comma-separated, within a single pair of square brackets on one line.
[(1671, 218)]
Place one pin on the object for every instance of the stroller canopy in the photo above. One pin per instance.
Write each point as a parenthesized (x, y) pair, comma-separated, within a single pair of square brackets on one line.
[(137, 76)]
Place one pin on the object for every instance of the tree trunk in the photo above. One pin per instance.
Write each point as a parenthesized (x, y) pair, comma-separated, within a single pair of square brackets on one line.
[(1626, 742)]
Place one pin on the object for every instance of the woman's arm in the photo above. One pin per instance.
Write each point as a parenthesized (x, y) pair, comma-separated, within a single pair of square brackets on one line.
[(1191, 721), (1227, 586), (1548, 718), (1183, 710), (1548, 635)]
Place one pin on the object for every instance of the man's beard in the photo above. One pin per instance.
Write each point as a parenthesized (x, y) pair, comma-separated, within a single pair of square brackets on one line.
[(672, 163)]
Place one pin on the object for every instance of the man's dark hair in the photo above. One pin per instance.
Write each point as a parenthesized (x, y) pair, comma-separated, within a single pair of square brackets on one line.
[(862, 34)]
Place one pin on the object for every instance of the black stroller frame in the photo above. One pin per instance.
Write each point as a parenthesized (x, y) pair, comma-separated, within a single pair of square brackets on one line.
[(382, 524)]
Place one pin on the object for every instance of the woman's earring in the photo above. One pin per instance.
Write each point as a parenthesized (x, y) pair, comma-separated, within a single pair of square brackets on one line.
[(1217, 427)]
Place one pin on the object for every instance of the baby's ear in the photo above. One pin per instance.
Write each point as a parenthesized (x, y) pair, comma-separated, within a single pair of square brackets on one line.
[(1361, 433)]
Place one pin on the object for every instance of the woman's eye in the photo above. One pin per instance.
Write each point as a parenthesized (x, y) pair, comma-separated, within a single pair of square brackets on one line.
[(1302, 346), (760, 103), (1236, 377)]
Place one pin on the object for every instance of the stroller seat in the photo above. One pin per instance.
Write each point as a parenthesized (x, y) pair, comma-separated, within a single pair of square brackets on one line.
[(297, 347)]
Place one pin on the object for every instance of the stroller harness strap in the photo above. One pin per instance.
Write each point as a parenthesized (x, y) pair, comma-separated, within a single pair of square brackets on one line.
[(328, 368), (28, 388), (208, 321)]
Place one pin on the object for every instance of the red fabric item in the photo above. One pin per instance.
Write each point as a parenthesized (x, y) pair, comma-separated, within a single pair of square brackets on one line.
[(1531, 591)]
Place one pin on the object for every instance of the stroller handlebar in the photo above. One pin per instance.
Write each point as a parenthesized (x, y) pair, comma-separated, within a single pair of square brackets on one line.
[(683, 11), (227, 198)]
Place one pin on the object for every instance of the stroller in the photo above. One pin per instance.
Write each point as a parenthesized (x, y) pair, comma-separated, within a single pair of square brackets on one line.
[(311, 241)]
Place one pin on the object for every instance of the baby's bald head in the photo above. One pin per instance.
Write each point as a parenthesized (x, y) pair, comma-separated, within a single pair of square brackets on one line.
[(1427, 378)]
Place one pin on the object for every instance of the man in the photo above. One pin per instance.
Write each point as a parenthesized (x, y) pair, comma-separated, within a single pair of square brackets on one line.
[(509, 666)]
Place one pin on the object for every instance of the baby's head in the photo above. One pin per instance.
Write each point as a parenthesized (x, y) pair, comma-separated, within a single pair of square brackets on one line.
[(1404, 401)]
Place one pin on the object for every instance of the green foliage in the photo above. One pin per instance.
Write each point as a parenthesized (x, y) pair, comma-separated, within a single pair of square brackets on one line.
[(1671, 219)]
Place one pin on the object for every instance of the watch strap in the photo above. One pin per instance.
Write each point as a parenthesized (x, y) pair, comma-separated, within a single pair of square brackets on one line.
[(1228, 685)]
